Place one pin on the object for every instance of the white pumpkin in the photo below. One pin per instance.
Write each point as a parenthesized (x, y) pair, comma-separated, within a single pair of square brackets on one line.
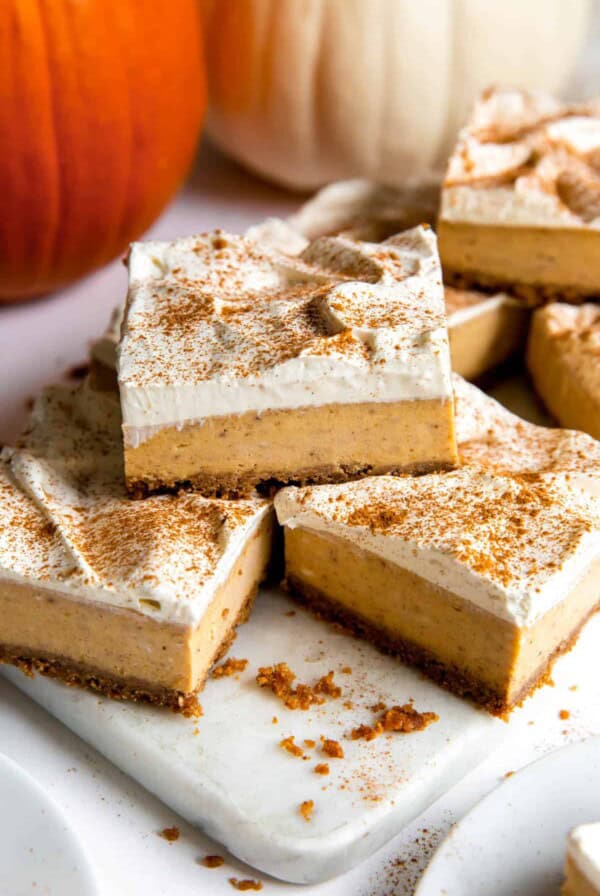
[(310, 91)]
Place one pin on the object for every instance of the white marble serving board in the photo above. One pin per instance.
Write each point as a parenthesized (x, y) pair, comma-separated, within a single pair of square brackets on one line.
[(231, 778)]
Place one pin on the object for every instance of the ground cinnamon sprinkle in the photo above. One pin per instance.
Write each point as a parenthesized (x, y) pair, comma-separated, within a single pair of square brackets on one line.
[(306, 809), (229, 667), (212, 861), (170, 834), (280, 678), (322, 768), (404, 719), (245, 884), (332, 748), (290, 746)]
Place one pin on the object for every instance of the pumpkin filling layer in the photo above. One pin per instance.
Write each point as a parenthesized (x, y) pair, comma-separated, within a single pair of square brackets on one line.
[(484, 331), (533, 262), (241, 365), (320, 444)]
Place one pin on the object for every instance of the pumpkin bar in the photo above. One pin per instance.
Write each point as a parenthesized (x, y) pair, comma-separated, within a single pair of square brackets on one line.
[(241, 366), (563, 358), (134, 599), (520, 204), (582, 866), (481, 577)]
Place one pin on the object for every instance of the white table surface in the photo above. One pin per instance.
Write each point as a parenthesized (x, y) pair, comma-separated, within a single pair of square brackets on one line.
[(117, 820)]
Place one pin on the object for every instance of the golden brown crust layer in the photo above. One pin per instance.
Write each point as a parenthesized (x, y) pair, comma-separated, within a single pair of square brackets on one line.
[(532, 295), (228, 486), (448, 677), (78, 675)]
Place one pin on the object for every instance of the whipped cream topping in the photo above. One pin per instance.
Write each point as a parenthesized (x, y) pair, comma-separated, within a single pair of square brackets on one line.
[(218, 324), (511, 546), (525, 159), (66, 523), (583, 846), (491, 437)]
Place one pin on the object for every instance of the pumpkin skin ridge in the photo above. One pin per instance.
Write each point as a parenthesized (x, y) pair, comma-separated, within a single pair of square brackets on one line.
[(68, 211)]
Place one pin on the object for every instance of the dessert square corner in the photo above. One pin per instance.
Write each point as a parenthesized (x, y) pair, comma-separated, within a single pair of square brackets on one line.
[(241, 367)]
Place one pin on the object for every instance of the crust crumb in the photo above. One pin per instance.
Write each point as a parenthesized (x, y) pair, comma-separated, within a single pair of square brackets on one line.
[(212, 861), (332, 748), (229, 667), (290, 746), (564, 714), (322, 768), (404, 719), (170, 834), (306, 809), (244, 885), (280, 679)]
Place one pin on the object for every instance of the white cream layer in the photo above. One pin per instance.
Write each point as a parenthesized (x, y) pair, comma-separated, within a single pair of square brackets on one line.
[(405, 358), (432, 553), (584, 850), (508, 207)]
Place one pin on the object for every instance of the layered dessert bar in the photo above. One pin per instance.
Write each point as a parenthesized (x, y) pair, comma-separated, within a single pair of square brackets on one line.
[(582, 867), (563, 358), (484, 330), (481, 577), (134, 599), (241, 366), (520, 203)]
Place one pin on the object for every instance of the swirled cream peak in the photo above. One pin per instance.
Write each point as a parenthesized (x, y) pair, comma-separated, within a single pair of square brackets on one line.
[(526, 159), (509, 544), (67, 524), (220, 324)]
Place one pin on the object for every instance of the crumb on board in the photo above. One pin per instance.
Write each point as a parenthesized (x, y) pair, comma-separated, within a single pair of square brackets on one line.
[(404, 719), (170, 834), (290, 746), (231, 666), (322, 768), (332, 748), (246, 884), (280, 680), (306, 809), (212, 861), (564, 714)]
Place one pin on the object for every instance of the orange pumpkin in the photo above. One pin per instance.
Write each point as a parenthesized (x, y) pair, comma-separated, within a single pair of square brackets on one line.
[(101, 102)]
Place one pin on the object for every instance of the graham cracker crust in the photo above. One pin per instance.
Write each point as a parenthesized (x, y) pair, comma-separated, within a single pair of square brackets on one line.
[(267, 483), (533, 295), (80, 675), (449, 677)]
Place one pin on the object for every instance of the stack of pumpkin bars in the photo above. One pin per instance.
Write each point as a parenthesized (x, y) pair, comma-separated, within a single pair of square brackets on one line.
[(300, 377)]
